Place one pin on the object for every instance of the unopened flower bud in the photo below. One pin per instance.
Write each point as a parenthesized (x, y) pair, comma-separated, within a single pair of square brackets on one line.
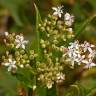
[(43, 45), (17, 53), (22, 51)]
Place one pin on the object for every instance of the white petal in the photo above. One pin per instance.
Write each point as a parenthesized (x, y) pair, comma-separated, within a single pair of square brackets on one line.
[(83, 56), (18, 45), (59, 15), (9, 68), (49, 85), (21, 38), (10, 60), (67, 16), (85, 61), (14, 66), (55, 13), (54, 8), (93, 64), (6, 33), (72, 63), (17, 40), (25, 42), (89, 49), (6, 64), (23, 46), (92, 45), (13, 62), (85, 49), (68, 23), (17, 37)]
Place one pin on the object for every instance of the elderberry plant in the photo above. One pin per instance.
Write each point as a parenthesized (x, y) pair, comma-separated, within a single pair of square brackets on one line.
[(57, 50)]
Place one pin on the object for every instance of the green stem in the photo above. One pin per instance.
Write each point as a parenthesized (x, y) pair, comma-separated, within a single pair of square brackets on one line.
[(31, 92)]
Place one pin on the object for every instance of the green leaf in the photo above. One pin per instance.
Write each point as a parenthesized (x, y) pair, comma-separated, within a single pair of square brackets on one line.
[(73, 91), (76, 88), (25, 77), (83, 26), (92, 93), (52, 91), (41, 91), (38, 21), (14, 7), (24, 80), (93, 3)]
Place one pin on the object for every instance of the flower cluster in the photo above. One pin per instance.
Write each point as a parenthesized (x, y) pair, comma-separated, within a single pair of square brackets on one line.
[(49, 72), (54, 34), (68, 19), (16, 56), (15, 41), (56, 50), (80, 54)]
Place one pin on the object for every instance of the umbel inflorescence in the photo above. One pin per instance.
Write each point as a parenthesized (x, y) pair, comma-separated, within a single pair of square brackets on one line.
[(56, 50)]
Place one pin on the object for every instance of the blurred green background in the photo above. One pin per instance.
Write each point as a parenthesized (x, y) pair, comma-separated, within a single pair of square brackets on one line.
[(19, 16)]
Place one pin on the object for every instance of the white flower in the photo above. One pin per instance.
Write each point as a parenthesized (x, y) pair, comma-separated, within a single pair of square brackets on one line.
[(80, 59), (10, 64), (69, 19), (20, 42), (75, 45), (73, 49), (60, 77), (89, 64), (80, 53), (49, 84), (72, 53), (71, 60), (92, 54), (58, 11), (87, 46)]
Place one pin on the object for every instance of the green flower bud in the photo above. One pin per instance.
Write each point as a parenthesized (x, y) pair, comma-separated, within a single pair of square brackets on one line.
[(42, 41), (25, 56), (48, 22), (42, 28), (48, 35), (10, 56), (44, 24), (22, 51), (13, 34), (3, 57), (11, 45), (17, 59), (27, 61), (48, 28), (17, 53), (55, 32), (7, 53), (40, 25), (43, 45), (31, 52), (23, 61)]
